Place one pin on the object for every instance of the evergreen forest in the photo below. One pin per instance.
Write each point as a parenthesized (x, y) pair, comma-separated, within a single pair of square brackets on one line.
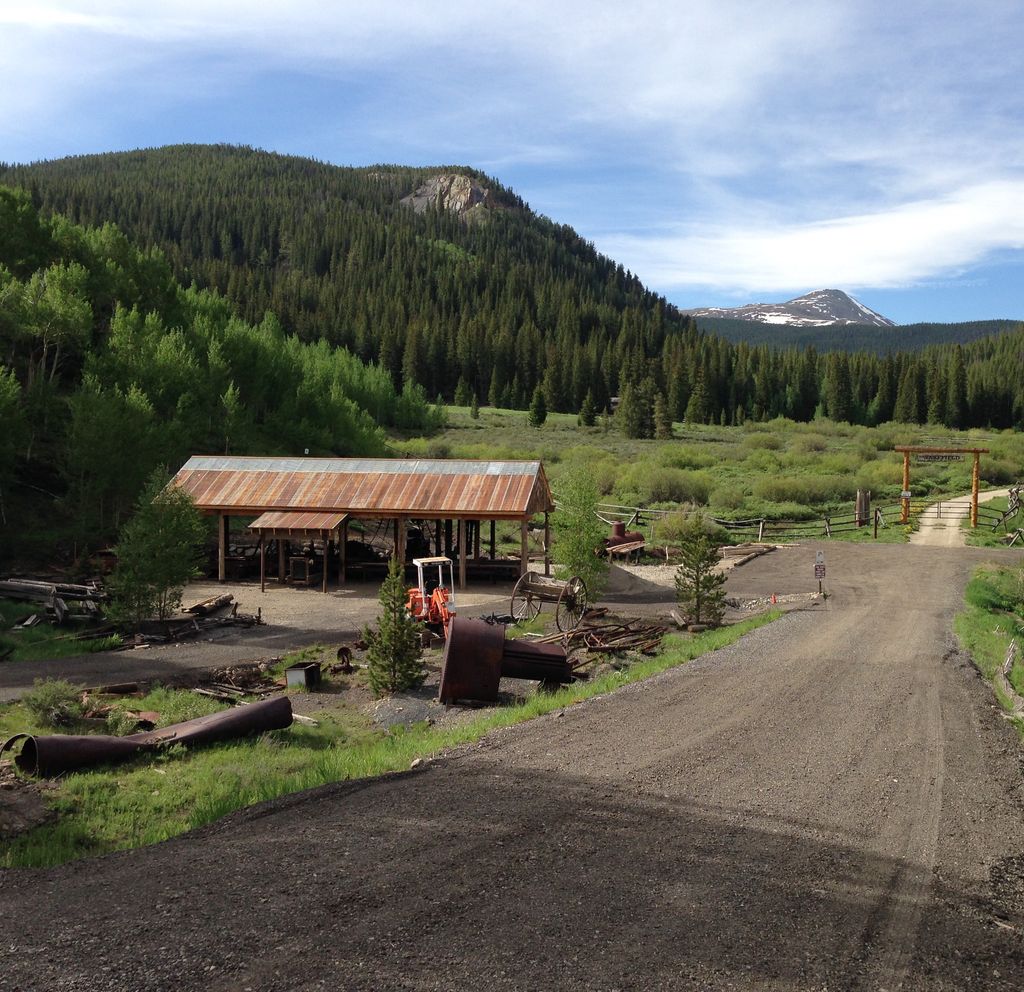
[(492, 306), (222, 299)]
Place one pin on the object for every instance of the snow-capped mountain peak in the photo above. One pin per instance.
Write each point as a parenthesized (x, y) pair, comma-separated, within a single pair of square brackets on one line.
[(821, 308)]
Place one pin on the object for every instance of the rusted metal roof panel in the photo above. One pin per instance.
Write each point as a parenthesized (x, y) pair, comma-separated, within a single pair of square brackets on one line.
[(286, 520), (367, 486)]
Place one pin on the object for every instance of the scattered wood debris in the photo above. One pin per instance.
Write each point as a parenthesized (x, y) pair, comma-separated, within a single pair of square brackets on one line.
[(739, 554), (212, 605), (182, 628), (61, 601), (599, 635)]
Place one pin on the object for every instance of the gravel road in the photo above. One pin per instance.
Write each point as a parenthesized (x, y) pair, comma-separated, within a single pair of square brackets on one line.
[(833, 803)]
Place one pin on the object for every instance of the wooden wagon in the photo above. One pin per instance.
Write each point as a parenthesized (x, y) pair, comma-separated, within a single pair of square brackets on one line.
[(533, 590)]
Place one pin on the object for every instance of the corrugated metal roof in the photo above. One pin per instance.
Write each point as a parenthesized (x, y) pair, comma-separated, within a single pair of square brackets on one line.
[(367, 486), (285, 520)]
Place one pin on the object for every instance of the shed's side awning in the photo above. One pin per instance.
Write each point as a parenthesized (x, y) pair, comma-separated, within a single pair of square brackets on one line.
[(290, 524)]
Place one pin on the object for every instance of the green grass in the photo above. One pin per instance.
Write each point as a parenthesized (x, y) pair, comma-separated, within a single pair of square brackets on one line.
[(993, 614), (983, 536), (153, 798)]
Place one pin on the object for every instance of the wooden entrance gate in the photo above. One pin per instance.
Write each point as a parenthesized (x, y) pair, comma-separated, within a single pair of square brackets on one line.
[(939, 455)]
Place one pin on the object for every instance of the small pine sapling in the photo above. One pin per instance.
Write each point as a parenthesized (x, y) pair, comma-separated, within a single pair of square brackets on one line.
[(700, 589), (394, 657)]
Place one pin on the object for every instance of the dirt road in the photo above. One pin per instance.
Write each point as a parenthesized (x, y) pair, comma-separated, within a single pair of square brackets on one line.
[(942, 524), (834, 803)]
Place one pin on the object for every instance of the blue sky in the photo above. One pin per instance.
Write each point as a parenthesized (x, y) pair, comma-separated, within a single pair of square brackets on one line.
[(726, 152)]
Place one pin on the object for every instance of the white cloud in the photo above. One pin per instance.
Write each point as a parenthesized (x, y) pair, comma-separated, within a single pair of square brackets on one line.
[(915, 242), (791, 144)]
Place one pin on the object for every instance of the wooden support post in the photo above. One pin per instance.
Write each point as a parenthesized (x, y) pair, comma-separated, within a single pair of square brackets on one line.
[(263, 561), (547, 544), (462, 554), (975, 479), (476, 540), (524, 548), (282, 559), (448, 538), (905, 501), (400, 530), (343, 577), (323, 535), (493, 542), (223, 530), (437, 538), (876, 524)]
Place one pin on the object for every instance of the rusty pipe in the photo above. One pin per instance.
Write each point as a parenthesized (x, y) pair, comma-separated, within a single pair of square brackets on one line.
[(55, 754)]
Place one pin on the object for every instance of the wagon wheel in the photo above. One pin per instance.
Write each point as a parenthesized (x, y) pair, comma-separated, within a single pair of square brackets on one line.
[(572, 604), (525, 603)]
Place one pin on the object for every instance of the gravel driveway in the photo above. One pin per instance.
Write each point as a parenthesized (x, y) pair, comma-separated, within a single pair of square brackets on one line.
[(833, 803)]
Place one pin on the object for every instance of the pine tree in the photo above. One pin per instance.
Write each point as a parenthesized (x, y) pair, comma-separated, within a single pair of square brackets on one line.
[(538, 409), (697, 405), (474, 409), (662, 418), (462, 393), (588, 413), (394, 657), (700, 590)]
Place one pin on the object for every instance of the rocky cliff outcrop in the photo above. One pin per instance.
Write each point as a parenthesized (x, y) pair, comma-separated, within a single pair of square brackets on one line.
[(459, 194)]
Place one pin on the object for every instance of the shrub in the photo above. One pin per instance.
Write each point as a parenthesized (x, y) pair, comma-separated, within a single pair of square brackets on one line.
[(682, 525), (763, 442), (578, 531), (654, 484), (157, 553), (999, 472), (810, 442), (54, 702), (729, 497), (810, 489), (684, 456)]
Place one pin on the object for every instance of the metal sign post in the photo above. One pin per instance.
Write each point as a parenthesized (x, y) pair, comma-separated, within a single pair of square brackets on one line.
[(819, 568)]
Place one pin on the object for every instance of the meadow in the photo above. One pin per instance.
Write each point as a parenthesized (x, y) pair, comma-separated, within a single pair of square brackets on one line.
[(778, 471)]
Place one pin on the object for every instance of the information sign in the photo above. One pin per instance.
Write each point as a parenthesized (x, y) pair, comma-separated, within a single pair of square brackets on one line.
[(819, 572)]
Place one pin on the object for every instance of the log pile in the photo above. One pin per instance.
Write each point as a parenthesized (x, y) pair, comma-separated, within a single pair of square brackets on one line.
[(60, 601)]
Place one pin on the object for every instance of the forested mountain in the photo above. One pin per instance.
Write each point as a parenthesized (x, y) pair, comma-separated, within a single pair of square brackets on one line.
[(495, 302), (109, 368), (854, 337)]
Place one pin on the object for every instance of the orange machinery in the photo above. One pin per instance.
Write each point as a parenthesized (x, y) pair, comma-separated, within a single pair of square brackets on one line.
[(430, 602)]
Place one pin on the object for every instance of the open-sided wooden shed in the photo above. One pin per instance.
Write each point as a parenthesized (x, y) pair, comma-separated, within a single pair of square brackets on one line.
[(318, 495)]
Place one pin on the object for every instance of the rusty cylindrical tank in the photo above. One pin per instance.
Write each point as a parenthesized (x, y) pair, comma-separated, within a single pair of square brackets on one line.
[(476, 656)]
